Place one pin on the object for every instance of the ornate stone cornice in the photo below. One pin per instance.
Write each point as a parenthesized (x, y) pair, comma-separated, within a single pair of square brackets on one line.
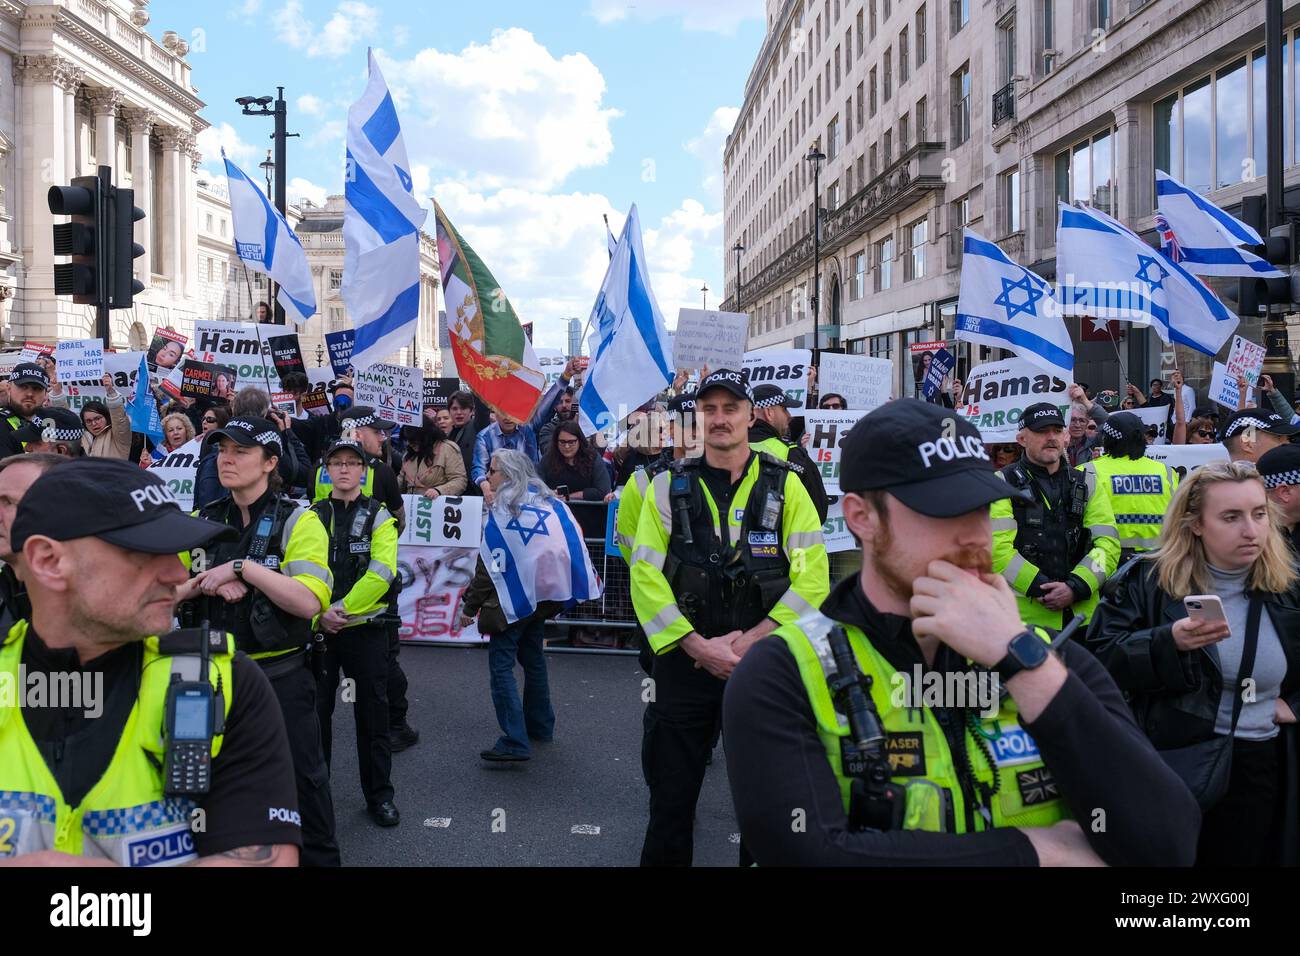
[(104, 100)]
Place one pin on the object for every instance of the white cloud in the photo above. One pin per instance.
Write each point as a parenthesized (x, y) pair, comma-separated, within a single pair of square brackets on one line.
[(247, 10), (215, 137), (352, 22), (298, 189), (715, 16), (508, 113), (311, 105), (708, 148)]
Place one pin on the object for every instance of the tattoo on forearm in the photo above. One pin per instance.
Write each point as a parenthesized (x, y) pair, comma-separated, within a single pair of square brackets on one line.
[(253, 854)]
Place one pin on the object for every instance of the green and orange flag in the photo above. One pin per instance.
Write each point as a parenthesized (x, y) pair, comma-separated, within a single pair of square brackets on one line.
[(493, 355)]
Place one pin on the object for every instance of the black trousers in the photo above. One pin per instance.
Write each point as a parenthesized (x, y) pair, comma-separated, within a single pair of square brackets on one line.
[(361, 652), (1243, 828), (680, 728), (295, 689), (397, 705)]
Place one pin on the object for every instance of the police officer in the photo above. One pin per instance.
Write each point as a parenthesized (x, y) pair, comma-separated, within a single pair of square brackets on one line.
[(728, 546), (84, 778), (17, 474), (363, 560), (264, 585), (364, 424), (1280, 469), (1055, 542), (1139, 489), (837, 752), (771, 433), (28, 388), (53, 429)]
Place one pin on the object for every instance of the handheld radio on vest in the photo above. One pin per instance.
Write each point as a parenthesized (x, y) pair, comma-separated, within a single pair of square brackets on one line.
[(875, 801), (189, 724)]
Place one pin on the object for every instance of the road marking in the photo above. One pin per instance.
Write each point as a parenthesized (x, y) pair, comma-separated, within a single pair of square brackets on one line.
[(585, 829), (734, 838), (438, 823)]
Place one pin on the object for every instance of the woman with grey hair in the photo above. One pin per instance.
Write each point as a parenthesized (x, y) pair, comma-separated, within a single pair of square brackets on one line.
[(515, 483)]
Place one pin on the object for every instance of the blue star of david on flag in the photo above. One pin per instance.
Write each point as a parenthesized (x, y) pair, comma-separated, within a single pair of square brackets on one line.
[(1032, 295), (1144, 269), (537, 527)]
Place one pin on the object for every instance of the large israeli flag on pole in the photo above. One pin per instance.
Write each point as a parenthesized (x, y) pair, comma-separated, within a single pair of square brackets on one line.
[(265, 243), (1004, 305), (381, 228), (633, 359), (1105, 271), (1209, 239)]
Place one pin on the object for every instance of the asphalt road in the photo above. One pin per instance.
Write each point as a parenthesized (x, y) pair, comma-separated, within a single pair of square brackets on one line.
[(580, 801)]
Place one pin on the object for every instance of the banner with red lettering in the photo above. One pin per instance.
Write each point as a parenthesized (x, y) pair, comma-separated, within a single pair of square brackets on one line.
[(436, 557)]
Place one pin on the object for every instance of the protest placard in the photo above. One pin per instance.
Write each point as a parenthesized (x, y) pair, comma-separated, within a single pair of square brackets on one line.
[(865, 382), (317, 400), (921, 355), (552, 362), (940, 366), (438, 391), (1223, 388), (177, 469), (339, 345), (835, 532), (124, 367), (394, 391), (286, 354), (238, 345), (436, 556), (167, 349), (1245, 358), (1187, 458), (708, 337), (1157, 418), (207, 380), (828, 429), (80, 360), (997, 394), (785, 367), (34, 350)]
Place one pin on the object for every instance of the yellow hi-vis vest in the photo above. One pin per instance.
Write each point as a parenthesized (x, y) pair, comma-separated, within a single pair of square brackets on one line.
[(1140, 490), (1002, 755), (324, 485), (125, 817), (773, 446)]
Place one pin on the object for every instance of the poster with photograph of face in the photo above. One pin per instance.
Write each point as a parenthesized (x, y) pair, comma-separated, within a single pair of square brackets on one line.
[(922, 354), (166, 350)]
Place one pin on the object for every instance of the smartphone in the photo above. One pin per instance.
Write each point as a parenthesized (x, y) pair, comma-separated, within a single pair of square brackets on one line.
[(1205, 607), (562, 491)]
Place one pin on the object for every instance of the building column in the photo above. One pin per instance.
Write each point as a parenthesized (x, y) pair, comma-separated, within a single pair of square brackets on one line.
[(173, 142), (1136, 197), (71, 82), (190, 161), (1040, 208), (103, 104), (140, 122)]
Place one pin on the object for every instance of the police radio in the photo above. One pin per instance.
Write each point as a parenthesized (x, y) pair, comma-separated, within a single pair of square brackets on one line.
[(190, 718)]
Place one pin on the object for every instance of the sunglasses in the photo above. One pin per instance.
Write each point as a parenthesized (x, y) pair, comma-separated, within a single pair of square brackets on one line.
[(209, 421), (1204, 433), (568, 442)]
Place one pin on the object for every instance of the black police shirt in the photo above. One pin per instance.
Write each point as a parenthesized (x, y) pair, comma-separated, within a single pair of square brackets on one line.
[(252, 776), (386, 488)]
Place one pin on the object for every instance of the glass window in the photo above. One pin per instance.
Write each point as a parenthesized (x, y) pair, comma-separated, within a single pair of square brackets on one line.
[(859, 34), (837, 68), (884, 263), (336, 279), (1080, 174), (858, 288), (1049, 33), (881, 346), (1103, 186), (903, 132), (874, 166), (960, 96), (833, 138), (958, 13), (859, 105), (1231, 124), (887, 150), (1062, 177), (920, 35), (871, 77), (873, 18), (1197, 120), (1167, 157), (916, 262), (902, 56), (922, 120), (889, 75), (1011, 200)]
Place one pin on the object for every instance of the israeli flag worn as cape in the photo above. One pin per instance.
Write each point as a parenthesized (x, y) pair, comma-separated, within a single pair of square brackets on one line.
[(265, 243), (1106, 271), (1004, 305), (633, 358), (537, 555), (1209, 239)]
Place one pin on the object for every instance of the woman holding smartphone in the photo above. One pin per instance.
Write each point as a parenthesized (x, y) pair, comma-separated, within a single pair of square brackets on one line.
[(1203, 635)]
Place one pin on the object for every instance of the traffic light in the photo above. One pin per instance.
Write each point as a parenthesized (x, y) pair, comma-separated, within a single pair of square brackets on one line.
[(82, 238), (123, 250)]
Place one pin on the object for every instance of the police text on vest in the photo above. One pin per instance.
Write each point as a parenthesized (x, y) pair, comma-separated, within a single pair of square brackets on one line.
[(75, 909)]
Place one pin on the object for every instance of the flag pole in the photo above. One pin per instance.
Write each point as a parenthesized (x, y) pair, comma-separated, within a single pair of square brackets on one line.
[(1115, 342), (249, 283)]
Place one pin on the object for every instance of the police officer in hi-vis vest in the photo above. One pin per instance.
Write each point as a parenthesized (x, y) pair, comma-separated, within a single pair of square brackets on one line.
[(265, 584), (1138, 489), (837, 752), (169, 750)]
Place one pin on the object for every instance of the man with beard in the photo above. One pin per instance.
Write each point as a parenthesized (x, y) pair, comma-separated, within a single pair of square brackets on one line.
[(1055, 541), (770, 432), (28, 388), (837, 757), (728, 547)]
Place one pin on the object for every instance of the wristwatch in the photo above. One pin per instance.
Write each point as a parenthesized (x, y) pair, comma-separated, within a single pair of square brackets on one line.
[(1025, 652), (238, 567)]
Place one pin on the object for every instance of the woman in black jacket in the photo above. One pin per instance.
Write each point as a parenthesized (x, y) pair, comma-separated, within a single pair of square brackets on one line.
[(570, 462), (1182, 676)]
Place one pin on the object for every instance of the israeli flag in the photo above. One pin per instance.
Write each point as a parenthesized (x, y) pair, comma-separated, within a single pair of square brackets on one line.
[(381, 228), (1004, 305), (1106, 271), (265, 243), (1208, 237), (537, 555), (633, 357)]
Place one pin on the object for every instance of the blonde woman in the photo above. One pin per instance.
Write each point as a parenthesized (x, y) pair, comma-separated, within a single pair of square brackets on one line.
[(177, 430), (1194, 683)]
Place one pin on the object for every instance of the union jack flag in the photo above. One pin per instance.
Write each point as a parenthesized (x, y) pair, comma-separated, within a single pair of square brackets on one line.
[(1168, 241)]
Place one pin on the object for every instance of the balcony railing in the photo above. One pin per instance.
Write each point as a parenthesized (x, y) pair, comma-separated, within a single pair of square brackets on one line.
[(1004, 104)]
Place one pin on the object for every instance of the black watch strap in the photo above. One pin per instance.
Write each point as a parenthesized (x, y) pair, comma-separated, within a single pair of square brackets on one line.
[(1025, 651)]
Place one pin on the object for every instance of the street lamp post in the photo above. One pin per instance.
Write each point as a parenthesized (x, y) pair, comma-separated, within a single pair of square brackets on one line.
[(276, 108), (816, 157), (704, 290), (267, 166), (738, 249)]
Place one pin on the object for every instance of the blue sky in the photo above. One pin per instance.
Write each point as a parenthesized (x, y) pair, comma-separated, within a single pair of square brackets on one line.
[(525, 120)]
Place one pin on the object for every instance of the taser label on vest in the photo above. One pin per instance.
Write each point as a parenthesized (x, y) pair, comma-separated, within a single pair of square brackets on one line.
[(1013, 747), (1137, 484)]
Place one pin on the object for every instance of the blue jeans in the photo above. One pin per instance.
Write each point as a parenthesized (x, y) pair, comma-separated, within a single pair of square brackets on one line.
[(534, 719)]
